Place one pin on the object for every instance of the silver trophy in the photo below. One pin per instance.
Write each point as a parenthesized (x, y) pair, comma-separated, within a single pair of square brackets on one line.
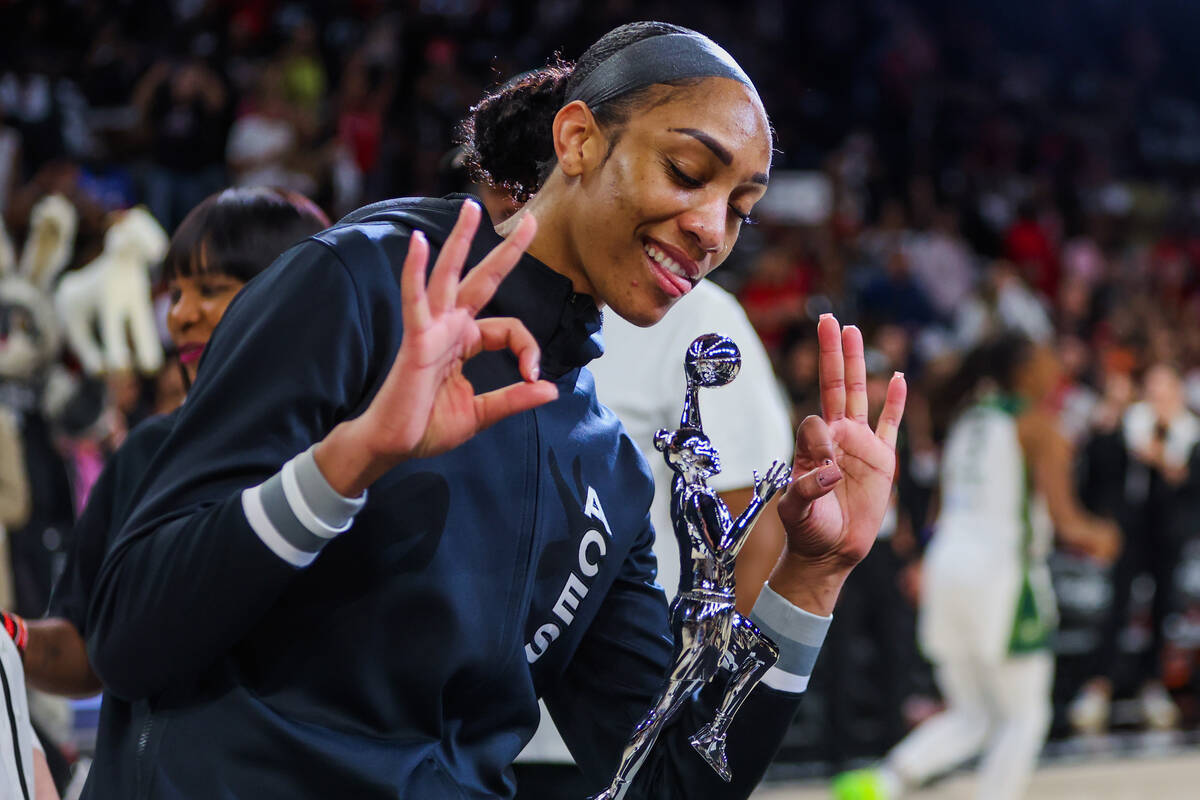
[(710, 634)]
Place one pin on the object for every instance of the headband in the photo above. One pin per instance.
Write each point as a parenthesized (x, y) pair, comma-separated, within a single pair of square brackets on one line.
[(659, 59)]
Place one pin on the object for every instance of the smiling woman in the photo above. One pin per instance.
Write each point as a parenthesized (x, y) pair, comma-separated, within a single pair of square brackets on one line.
[(659, 149), (314, 640)]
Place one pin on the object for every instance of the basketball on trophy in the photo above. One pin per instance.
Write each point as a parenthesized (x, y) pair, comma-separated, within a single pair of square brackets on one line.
[(712, 360)]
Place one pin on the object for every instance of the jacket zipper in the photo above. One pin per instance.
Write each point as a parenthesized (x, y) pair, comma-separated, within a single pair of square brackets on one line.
[(142, 740)]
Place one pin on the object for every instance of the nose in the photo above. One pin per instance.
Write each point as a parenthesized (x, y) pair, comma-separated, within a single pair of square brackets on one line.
[(185, 311), (704, 225)]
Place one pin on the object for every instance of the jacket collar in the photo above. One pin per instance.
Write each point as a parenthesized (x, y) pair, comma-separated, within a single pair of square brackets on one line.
[(565, 324)]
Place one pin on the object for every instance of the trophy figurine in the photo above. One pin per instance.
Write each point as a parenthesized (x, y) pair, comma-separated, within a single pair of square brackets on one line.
[(709, 633)]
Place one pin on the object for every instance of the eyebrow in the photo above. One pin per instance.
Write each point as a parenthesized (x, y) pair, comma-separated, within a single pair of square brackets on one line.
[(718, 149)]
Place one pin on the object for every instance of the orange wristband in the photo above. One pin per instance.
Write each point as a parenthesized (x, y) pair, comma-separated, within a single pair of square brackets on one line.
[(17, 629)]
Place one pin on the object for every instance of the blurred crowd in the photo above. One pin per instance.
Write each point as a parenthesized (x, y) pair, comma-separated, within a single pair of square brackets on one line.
[(945, 170)]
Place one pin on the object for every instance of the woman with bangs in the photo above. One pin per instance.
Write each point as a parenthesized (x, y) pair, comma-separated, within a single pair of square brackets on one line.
[(312, 638), (219, 247)]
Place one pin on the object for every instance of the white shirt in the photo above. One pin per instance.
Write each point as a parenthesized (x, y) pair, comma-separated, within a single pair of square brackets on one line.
[(15, 718)]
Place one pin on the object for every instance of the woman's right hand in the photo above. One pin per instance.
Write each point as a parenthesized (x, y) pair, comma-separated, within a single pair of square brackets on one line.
[(426, 405)]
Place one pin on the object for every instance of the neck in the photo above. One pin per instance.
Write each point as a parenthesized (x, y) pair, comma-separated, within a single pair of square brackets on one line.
[(552, 245)]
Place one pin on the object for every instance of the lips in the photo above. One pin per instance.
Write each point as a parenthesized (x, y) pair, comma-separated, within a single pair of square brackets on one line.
[(675, 272), (190, 353)]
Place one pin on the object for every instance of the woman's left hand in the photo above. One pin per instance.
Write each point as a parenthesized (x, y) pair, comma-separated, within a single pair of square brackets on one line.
[(841, 475)]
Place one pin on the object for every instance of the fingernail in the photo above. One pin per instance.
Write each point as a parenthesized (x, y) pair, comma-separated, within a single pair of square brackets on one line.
[(470, 202), (535, 372), (826, 315), (828, 475), (828, 461), (897, 374)]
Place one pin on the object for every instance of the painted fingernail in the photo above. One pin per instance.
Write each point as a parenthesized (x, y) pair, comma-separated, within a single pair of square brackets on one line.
[(828, 475)]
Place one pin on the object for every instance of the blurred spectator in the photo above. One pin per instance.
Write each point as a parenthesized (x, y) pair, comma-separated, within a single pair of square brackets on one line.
[(303, 70), (1159, 510), (185, 109), (894, 296), (1005, 303), (775, 292), (265, 142), (942, 264), (1028, 246)]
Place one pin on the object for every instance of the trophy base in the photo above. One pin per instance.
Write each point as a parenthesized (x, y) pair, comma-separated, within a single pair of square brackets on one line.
[(710, 744)]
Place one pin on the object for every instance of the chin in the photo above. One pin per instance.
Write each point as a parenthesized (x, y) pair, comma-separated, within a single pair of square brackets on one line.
[(643, 317)]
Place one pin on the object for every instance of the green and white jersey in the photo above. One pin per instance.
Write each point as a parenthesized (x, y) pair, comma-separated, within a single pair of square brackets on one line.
[(985, 568), (984, 487)]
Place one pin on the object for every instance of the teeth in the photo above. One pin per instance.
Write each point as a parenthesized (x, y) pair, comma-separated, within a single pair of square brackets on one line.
[(666, 262)]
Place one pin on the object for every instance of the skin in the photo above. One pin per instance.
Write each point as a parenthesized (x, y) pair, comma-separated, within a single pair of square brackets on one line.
[(762, 549), (1050, 456), (43, 782), (590, 222), (56, 658), (660, 183), (197, 304)]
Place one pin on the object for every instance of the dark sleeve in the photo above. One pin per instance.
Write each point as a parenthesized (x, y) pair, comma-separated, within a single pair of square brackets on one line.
[(191, 572), (108, 504), (89, 538), (616, 675)]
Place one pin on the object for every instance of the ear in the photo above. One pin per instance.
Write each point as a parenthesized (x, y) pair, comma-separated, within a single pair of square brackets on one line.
[(578, 142), (51, 240)]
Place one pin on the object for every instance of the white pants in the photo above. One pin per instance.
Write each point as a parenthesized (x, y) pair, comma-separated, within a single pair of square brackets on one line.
[(1001, 709)]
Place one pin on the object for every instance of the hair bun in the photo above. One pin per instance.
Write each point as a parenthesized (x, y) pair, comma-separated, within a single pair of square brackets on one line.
[(507, 134)]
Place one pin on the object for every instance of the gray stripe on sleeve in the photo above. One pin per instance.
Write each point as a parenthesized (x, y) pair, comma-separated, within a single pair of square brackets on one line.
[(330, 507), (795, 658), (280, 514), (798, 633)]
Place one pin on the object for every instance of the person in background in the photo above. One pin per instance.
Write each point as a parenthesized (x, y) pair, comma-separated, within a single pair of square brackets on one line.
[(987, 606), (1160, 500), (185, 108), (222, 244)]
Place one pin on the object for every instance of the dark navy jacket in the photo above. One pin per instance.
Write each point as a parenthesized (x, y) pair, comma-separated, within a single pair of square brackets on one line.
[(407, 659)]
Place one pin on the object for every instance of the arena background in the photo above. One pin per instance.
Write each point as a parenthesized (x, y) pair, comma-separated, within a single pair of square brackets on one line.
[(937, 161)]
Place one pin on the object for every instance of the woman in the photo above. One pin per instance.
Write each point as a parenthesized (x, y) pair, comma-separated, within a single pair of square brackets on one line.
[(298, 636), (987, 606), (220, 245)]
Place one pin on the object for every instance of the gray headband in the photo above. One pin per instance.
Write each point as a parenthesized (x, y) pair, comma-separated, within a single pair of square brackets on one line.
[(659, 59)]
